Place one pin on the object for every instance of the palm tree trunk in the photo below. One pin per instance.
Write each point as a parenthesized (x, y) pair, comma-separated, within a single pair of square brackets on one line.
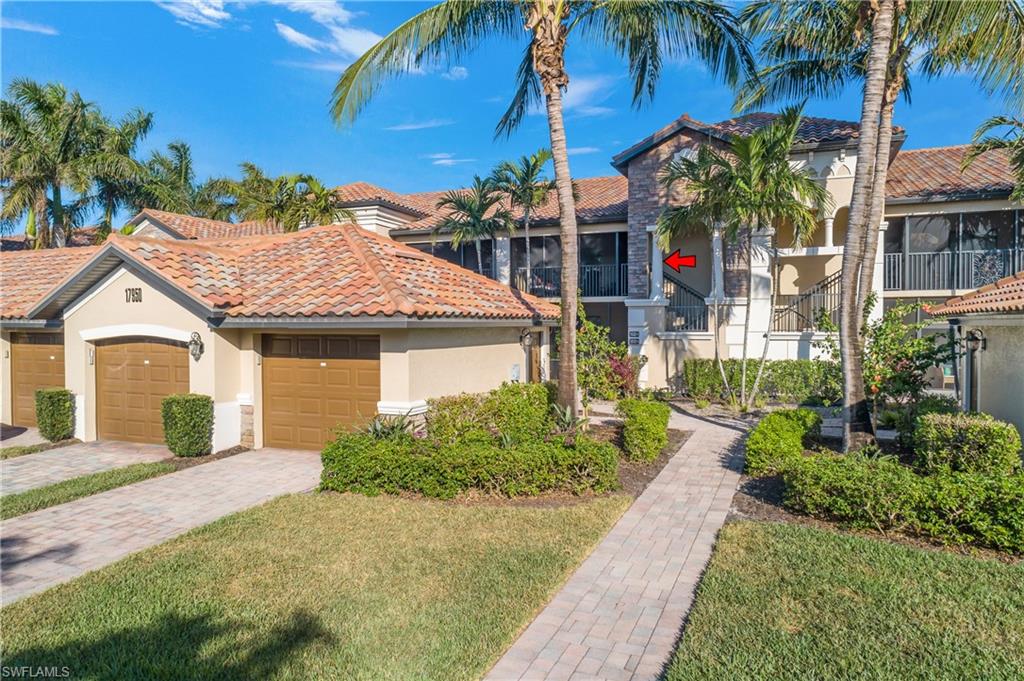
[(768, 333), (877, 201), (746, 315), (526, 230), (857, 429), (718, 354), (58, 236), (479, 257), (42, 222), (570, 273)]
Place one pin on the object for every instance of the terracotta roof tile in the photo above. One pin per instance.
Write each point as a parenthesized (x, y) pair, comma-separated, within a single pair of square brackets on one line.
[(26, 276), (191, 227), (363, 193), (1005, 295), (81, 236), (935, 173)]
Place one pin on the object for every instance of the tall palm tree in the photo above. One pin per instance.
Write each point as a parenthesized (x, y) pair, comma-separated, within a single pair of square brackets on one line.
[(815, 49), (261, 197), (50, 141), (526, 188), (1012, 140), (474, 214), (314, 204), (170, 184), (644, 32), (118, 174), (749, 186)]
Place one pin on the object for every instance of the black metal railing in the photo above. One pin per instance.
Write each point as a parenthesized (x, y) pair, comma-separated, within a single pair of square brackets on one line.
[(948, 270), (687, 309), (594, 280), (801, 311)]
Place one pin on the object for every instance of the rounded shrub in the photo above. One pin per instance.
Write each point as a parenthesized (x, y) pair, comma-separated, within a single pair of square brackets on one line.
[(778, 439), (970, 443), (55, 413), (645, 428), (188, 424)]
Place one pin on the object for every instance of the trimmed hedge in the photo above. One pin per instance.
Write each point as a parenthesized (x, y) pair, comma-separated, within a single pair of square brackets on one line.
[(645, 428), (779, 438), (359, 463), (55, 413), (188, 424), (882, 494), (970, 443), (519, 411), (790, 381)]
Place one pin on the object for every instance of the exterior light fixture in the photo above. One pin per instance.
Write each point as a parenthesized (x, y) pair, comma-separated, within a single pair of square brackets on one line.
[(195, 346), (976, 341), (526, 338)]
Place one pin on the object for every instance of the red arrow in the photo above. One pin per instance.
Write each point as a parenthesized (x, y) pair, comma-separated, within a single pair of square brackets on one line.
[(675, 261)]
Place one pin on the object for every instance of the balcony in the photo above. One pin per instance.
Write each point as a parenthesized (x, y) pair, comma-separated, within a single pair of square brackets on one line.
[(950, 270), (803, 312), (607, 281)]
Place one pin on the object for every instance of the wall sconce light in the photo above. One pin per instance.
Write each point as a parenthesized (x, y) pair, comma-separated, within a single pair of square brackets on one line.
[(976, 341), (92, 355), (526, 339), (195, 346)]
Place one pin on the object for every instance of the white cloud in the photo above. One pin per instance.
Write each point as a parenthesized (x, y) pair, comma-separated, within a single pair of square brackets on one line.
[(320, 12), (197, 13), (352, 41), (28, 26), (583, 97), (448, 162), (456, 73), (577, 151), (297, 38), (439, 156), (421, 125), (328, 65)]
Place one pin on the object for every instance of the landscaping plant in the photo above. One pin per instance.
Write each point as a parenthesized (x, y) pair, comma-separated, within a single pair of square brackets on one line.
[(970, 443), (55, 413), (645, 428), (188, 424), (779, 438)]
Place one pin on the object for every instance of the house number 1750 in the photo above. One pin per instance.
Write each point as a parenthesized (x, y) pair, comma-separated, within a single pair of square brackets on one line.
[(133, 295)]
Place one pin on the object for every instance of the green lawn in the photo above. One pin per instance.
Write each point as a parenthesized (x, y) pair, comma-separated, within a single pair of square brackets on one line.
[(12, 505), (315, 587), (784, 601), (21, 450)]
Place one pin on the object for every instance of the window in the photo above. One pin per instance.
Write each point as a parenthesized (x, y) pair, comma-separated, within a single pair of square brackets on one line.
[(987, 231), (464, 256), (894, 235), (932, 233)]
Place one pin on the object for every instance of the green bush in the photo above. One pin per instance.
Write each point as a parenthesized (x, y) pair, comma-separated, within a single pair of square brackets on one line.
[(645, 428), (359, 463), (789, 381), (449, 418), (970, 443), (55, 413), (518, 411), (778, 438), (882, 494), (903, 418), (188, 424)]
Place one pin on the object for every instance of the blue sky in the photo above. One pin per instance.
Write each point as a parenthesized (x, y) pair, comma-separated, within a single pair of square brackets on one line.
[(252, 81)]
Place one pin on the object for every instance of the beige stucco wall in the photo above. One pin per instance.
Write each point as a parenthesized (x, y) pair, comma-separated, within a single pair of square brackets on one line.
[(106, 314), (1001, 372), (699, 277), (800, 273), (5, 380)]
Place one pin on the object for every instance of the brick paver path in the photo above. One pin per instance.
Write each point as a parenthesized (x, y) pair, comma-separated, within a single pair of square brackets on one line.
[(63, 463), (620, 613), (44, 548)]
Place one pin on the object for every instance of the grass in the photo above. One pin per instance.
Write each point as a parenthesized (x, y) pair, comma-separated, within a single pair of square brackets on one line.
[(12, 505), (784, 601), (322, 586), (22, 450)]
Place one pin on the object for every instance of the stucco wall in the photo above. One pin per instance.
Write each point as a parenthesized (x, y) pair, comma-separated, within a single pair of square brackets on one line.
[(1001, 365), (106, 314)]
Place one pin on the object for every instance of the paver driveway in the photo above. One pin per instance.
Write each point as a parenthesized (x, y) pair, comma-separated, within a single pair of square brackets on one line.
[(620, 612), (54, 465), (53, 545)]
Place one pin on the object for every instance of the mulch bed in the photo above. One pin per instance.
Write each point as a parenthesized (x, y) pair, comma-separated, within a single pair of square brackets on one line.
[(182, 462)]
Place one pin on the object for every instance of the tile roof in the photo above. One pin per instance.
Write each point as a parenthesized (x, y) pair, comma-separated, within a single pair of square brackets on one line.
[(599, 199), (190, 227), (363, 193), (328, 271), (81, 236), (25, 276), (1005, 295), (935, 173)]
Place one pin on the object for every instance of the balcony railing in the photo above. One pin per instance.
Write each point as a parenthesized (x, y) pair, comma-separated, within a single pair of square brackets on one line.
[(686, 309), (947, 270), (801, 311), (595, 280)]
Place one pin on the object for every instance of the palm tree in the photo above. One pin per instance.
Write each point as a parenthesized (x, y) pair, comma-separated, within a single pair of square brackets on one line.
[(746, 188), (474, 214), (527, 189), (314, 204), (260, 197), (119, 175), (170, 184), (814, 49), (644, 32), (1012, 141), (50, 141)]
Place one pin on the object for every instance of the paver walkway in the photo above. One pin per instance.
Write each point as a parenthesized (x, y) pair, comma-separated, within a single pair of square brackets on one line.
[(19, 436), (63, 463), (53, 545), (620, 613)]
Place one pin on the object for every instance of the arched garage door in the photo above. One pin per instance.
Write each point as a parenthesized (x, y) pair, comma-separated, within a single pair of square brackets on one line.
[(314, 384), (133, 376), (37, 361)]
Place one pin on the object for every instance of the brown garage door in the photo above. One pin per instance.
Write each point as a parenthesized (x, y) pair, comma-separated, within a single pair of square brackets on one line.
[(314, 384), (133, 376), (37, 361)]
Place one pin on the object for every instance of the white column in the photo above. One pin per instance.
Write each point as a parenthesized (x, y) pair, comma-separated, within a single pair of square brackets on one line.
[(829, 241), (646, 317), (657, 290), (717, 266), (503, 259), (878, 273)]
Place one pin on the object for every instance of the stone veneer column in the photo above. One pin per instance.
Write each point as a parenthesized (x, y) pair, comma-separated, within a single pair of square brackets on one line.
[(646, 316), (878, 274)]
